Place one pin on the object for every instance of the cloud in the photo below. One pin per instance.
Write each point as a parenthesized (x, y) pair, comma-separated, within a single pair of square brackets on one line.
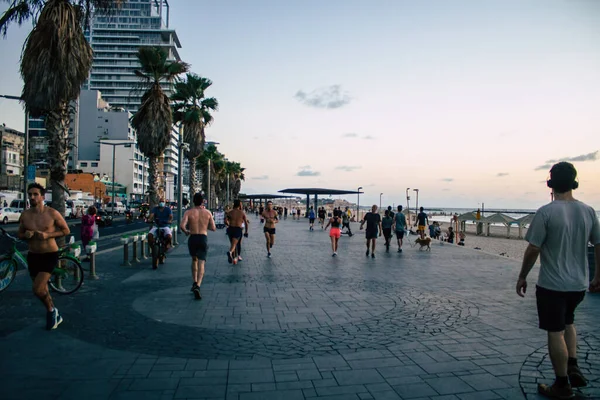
[(304, 167), (369, 137), (501, 174), (261, 178), (355, 135), (580, 158), (529, 193), (350, 135), (447, 179), (446, 190), (329, 97), (348, 168), (306, 172)]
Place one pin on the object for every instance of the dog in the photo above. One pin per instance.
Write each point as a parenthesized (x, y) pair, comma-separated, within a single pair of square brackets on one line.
[(426, 242)]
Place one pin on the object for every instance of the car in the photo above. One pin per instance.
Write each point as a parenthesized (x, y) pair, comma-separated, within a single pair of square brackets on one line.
[(118, 206), (9, 214)]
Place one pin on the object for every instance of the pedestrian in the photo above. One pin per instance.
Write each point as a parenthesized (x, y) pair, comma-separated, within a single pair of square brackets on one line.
[(321, 213), (560, 232), (285, 213), (311, 219), (88, 222), (450, 235), (40, 226), (386, 224), (421, 223), (373, 221), (346, 216), (236, 221), (298, 213), (334, 232), (391, 212), (399, 227), (196, 223), (270, 217)]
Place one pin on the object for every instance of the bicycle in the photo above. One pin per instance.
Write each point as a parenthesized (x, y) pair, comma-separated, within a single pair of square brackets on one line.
[(66, 278), (159, 248)]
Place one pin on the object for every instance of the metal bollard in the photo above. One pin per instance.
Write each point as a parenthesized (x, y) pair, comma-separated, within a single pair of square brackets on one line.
[(134, 258), (91, 250), (125, 241), (143, 246), (174, 229)]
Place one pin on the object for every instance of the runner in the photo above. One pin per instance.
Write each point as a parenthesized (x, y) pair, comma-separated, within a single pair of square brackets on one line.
[(373, 220), (270, 217), (285, 213), (386, 225), (298, 212), (311, 219), (422, 221), (346, 216), (399, 227), (321, 214), (40, 225), (560, 232), (163, 216), (235, 219), (196, 222), (335, 231)]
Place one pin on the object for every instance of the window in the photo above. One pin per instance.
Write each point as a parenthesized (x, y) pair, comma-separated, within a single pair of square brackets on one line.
[(84, 165), (94, 164)]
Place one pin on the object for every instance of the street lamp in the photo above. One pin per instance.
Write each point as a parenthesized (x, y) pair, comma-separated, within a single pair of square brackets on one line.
[(408, 204), (25, 151), (227, 195), (114, 146), (358, 202), (417, 206), (380, 194)]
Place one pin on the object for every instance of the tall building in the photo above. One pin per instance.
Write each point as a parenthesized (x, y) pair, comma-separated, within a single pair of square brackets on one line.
[(11, 158), (115, 39)]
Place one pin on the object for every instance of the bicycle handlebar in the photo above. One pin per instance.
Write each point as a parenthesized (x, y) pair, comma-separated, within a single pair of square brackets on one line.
[(8, 235)]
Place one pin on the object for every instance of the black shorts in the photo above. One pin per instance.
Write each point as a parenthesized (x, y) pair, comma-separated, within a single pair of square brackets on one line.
[(311, 220), (556, 309), (270, 231), (235, 232), (198, 246), (387, 232), (41, 262), (345, 225), (371, 235), (400, 234)]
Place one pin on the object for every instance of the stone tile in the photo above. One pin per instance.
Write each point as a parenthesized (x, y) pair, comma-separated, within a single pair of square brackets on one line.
[(274, 395), (375, 363), (206, 391), (330, 362), (485, 382), (335, 390), (386, 395), (441, 367), (251, 376), (358, 377), (449, 385), (415, 390), (154, 384), (393, 372), (484, 395)]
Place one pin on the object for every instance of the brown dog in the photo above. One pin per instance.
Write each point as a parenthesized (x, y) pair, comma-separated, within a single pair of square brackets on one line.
[(424, 243)]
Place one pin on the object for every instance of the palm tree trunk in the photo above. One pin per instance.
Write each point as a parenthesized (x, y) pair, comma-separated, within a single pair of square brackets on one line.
[(193, 178), (153, 181), (59, 146)]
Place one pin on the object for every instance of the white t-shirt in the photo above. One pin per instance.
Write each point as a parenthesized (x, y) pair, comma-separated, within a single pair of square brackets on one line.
[(562, 230)]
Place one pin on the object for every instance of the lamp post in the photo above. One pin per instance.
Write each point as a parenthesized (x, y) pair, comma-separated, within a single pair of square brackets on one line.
[(182, 147), (114, 146), (358, 203), (380, 194), (208, 185), (408, 204), (417, 204), (26, 148), (227, 194)]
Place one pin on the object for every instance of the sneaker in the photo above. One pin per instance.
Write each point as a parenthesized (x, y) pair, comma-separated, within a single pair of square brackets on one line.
[(235, 260), (576, 378), (53, 319), (334, 254), (240, 258), (197, 294), (194, 286), (367, 253), (399, 250), (372, 255), (269, 255), (555, 392), (229, 257)]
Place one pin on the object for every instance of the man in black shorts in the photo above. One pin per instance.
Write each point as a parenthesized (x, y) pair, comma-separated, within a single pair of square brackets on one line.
[(235, 219), (270, 217), (197, 222), (399, 227), (560, 232), (40, 226), (374, 229)]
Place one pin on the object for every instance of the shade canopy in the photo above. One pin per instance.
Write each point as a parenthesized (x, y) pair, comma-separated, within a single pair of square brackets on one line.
[(526, 220), (263, 196), (309, 191), (470, 216), (498, 219)]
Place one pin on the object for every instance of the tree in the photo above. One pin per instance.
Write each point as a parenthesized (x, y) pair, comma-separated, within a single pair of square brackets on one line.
[(154, 120), (211, 161), (238, 177), (55, 62), (192, 110)]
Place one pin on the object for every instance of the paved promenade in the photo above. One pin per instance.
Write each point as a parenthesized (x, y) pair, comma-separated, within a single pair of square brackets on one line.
[(443, 325)]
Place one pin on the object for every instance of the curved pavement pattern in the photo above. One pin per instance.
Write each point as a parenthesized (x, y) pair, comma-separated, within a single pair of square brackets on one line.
[(444, 324)]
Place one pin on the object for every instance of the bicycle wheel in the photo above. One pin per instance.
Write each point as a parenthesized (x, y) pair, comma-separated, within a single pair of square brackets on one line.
[(8, 271), (67, 277), (155, 256)]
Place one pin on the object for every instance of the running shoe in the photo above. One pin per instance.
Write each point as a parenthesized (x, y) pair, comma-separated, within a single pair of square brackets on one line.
[(235, 261), (53, 319), (367, 253), (372, 255), (240, 258), (334, 254), (197, 294), (194, 286), (269, 255), (576, 377), (556, 392), (229, 257)]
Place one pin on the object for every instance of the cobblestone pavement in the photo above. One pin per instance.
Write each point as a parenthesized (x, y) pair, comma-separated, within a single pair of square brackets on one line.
[(440, 325)]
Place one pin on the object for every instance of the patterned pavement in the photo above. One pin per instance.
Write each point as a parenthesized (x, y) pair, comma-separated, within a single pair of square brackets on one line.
[(440, 325)]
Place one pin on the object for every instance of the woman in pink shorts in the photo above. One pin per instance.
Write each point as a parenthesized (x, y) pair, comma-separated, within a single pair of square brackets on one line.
[(335, 231)]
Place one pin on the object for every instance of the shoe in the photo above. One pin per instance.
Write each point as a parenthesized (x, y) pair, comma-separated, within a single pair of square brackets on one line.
[(235, 261), (576, 378), (334, 254), (269, 255), (229, 257), (194, 286), (367, 253), (197, 294), (372, 255), (53, 319), (555, 392), (240, 258)]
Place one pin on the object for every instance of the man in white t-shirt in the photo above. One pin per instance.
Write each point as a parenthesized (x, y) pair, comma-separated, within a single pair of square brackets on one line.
[(560, 232)]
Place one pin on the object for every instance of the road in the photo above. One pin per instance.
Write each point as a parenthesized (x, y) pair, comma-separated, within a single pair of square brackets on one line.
[(110, 236)]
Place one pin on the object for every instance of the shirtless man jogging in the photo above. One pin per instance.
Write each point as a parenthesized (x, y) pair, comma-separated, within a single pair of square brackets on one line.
[(235, 219), (270, 217), (40, 225), (196, 222)]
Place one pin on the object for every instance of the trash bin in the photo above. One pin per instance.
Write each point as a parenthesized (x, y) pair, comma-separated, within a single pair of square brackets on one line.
[(591, 261)]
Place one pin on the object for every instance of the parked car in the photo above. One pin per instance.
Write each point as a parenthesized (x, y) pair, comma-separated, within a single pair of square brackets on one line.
[(18, 204), (8, 214), (118, 206)]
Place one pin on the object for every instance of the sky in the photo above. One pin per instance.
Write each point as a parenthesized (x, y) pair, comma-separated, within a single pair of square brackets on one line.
[(468, 101)]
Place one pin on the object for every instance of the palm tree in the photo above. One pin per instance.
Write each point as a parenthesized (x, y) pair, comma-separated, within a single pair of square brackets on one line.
[(238, 177), (153, 121), (213, 158), (192, 110), (55, 62)]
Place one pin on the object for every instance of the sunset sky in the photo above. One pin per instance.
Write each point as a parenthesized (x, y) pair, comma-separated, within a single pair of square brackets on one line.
[(469, 101)]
